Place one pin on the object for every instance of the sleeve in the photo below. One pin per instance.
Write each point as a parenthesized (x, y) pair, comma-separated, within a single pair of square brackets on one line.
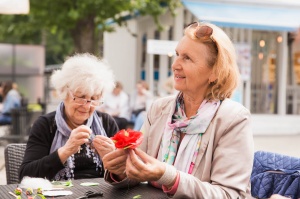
[(109, 124), (231, 164), (37, 161)]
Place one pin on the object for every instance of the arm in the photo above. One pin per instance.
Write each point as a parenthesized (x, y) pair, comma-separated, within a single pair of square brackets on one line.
[(231, 161), (103, 144), (37, 161)]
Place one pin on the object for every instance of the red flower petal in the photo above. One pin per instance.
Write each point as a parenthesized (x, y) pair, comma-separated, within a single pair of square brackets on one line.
[(128, 139)]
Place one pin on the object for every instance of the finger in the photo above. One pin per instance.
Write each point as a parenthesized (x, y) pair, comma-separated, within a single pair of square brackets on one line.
[(115, 157), (136, 161), (142, 155), (84, 128), (100, 140)]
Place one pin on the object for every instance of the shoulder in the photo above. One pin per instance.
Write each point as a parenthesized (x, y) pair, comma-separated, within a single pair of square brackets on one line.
[(164, 102), (231, 107), (46, 120), (161, 106), (44, 127), (49, 116), (231, 113)]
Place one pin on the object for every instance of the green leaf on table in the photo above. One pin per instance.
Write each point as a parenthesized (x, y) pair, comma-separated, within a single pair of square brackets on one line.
[(63, 183), (137, 196), (86, 184), (39, 196)]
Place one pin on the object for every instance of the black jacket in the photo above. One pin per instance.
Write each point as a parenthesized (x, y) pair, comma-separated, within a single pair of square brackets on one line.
[(37, 161)]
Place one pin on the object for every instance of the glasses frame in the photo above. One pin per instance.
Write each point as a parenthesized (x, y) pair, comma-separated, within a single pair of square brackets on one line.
[(85, 101)]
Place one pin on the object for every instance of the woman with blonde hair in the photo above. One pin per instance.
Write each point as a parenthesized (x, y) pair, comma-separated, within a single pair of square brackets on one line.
[(197, 144)]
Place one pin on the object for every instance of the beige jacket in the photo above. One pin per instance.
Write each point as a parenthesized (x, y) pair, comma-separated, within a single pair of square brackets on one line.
[(223, 167)]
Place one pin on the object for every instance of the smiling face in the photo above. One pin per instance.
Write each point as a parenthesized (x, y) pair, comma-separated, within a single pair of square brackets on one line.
[(191, 71), (75, 113)]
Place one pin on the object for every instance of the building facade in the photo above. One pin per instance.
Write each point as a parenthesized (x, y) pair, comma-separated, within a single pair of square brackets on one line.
[(265, 36)]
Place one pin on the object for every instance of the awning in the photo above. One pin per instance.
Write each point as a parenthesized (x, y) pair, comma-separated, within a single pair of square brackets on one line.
[(260, 17)]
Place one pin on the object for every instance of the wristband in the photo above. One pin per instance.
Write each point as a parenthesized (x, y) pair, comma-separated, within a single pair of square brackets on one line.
[(169, 175)]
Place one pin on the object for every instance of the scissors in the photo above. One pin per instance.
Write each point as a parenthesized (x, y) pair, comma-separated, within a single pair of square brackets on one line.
[(91, 194), (91, 138)]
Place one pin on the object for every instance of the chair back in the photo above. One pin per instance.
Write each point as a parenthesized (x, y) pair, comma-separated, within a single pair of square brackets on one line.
[(14, 154)]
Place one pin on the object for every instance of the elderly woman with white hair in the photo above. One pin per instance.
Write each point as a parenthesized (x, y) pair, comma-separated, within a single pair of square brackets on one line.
[(70, 142)]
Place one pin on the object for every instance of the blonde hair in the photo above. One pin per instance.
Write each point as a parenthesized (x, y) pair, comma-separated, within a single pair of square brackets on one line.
[(222, 60), (83, 72)]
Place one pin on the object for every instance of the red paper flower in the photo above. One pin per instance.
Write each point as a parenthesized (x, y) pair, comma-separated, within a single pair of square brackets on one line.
[(128, 139)]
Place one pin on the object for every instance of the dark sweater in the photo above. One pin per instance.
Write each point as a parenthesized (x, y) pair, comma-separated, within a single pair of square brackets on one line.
[(38, 162)]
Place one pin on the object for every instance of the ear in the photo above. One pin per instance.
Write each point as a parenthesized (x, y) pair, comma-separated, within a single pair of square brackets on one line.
[(212, 78)]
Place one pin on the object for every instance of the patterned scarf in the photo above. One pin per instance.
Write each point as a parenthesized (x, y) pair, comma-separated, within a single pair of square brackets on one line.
[(62, 135), (193, 128)]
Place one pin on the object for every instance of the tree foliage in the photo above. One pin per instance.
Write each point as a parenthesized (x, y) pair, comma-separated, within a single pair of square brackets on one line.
[(69, 26)]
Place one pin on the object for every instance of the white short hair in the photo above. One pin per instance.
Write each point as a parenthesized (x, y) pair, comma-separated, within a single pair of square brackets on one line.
[(83, 72)]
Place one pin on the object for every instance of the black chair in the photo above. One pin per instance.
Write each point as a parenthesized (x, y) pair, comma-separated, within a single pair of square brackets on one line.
[(14, 154)]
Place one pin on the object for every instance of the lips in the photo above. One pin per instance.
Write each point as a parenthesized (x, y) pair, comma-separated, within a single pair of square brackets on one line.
[(179, 76)]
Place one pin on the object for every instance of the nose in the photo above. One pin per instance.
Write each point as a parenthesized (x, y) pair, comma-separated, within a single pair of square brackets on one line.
[(88, 103), (175, 64)]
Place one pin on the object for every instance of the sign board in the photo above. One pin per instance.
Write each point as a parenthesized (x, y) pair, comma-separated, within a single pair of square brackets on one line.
[(243, 52), (161, 47)]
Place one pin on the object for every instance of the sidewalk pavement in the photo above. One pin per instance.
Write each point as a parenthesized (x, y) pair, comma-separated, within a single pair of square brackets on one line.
[(283, 144)]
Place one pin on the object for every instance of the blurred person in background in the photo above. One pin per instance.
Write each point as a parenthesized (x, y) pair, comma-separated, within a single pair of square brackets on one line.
[(198, 143), (1, 93), (168, 86), (11, 100), (116, 103), (70, 142), (140, 101), (1, 96)]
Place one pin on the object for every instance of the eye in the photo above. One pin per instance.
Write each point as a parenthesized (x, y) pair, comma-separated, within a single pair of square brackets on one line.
[(185, 57), (96, 97)]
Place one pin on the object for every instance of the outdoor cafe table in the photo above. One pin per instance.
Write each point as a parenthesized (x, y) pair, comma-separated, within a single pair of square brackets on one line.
[(142, 191)]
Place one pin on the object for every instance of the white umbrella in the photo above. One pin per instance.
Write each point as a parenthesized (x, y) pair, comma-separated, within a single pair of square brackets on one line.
[(14, 6)]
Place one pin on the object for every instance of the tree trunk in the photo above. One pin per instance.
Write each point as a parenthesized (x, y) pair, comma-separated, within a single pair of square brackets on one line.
[(84, 36)]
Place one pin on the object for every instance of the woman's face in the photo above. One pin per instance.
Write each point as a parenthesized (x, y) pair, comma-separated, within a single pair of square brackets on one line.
[(77, 114), (191, 72)]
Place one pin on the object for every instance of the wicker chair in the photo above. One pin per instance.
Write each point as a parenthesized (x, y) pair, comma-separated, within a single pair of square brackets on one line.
[(14, 154)]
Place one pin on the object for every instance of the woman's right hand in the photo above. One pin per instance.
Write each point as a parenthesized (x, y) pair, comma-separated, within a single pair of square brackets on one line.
[(78, 136), (115, 162)]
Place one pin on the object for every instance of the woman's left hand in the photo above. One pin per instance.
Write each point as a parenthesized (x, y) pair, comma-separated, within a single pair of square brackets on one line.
[(103, 145), (142, 167)]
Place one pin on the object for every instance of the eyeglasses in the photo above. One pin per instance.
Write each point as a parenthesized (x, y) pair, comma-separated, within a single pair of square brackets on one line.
[(203, 31), (83, 101)]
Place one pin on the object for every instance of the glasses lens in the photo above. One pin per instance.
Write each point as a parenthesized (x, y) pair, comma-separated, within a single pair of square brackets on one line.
[(95, 103), (204, 31), (80, 101)]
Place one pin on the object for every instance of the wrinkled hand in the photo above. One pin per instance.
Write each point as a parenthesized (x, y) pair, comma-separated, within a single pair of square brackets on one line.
[(77, 137), (115, 161), (103, 145), (142, 167)]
